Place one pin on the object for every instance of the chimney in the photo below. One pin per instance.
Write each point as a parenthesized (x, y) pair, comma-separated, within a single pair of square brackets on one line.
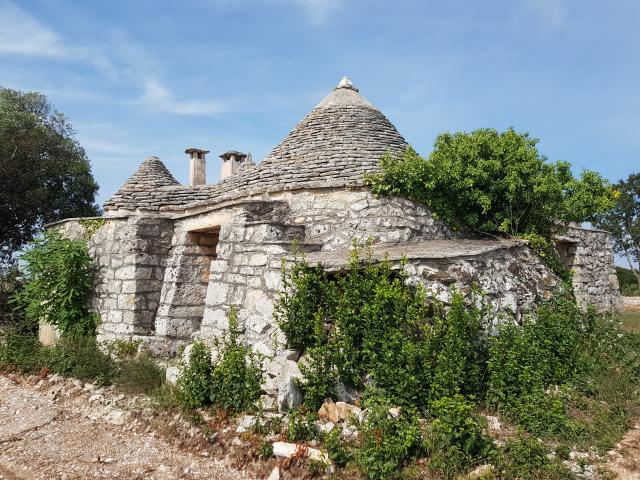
[(231, 160), (197, 166)]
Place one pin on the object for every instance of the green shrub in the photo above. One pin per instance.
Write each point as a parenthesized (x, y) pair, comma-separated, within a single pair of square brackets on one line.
[(80, 357), (57, 284), (265, 450), (10, 285), (195, 380), (545, 350), (236, 375), (337, 451), (21, 350), (387, 443), (305, 296), (540, 413), (232, 382), (320, 375), (377, 326), (301, 425), (494, 182), (139, 374), (455, 439), (526, 458)]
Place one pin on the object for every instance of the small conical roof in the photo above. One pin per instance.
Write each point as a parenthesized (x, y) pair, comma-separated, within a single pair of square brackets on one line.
[(151, 176)]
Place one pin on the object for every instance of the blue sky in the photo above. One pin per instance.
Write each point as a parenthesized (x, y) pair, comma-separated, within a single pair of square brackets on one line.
[(147, 77)]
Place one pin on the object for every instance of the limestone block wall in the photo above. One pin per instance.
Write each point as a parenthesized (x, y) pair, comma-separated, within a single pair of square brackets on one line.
[(335, 218), (512, 280), (247, 276), (130, 256), (185, 283), (589, 254)]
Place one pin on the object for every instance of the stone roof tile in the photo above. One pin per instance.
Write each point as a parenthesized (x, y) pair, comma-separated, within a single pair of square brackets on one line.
[(334, 145)]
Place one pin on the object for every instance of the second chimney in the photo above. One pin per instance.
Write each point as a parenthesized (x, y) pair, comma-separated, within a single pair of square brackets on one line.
[(197, 166), (231, 160)]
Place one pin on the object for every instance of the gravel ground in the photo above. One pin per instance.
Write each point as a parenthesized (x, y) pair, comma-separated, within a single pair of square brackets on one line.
[(61, 429)]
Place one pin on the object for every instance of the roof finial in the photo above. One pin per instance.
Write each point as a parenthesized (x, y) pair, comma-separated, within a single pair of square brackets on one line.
[(346, 83)]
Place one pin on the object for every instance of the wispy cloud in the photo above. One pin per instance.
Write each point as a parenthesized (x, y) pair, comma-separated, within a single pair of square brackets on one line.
[(22, 34), (552, 13), (158, 97), (318, 11)]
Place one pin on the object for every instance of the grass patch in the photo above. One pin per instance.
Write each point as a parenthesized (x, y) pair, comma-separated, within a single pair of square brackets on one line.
[(629, 321), (82, 358)]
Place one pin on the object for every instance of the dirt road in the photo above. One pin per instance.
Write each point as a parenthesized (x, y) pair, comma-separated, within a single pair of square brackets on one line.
[(60, 429)]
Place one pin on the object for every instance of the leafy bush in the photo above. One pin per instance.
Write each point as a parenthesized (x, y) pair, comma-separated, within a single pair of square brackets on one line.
[(236, 375), (195, 381), (57, 284), (377, 325), (455, 439), (302, 425), (232, 382), (139, 373), (80, 357), (21, 350), (320, 375), (386, 442), (526, 458), (495, 183), (337, 451), (545, 350), (10, 284)]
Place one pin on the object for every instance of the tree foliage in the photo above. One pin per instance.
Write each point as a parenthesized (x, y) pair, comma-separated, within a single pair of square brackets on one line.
[(58, 275), (623, 221), (44, 172), (494, 182)]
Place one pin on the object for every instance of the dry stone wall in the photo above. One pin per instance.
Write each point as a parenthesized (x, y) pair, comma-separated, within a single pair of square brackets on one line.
[(130, 255), (589, 255), (335, 218)]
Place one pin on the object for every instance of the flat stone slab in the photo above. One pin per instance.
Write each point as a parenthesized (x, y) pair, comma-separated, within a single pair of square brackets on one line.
[(428, 249)]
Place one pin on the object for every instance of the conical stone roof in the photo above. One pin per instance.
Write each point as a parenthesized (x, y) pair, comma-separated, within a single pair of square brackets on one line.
[(333, 146), (145, 186), (342, 138)]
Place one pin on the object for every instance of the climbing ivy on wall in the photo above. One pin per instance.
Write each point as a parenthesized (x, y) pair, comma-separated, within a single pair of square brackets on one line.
[(91, 226)]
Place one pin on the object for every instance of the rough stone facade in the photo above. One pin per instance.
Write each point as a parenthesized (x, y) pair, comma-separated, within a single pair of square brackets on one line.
[(588, 253), (173, 260)]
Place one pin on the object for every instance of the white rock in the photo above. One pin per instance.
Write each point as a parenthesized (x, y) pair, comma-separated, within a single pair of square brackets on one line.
[(116, 417), (288, 450), (325, 427), (172, 374), (317, 455), (246, 421), (288, 395), (394, 412), (284, 449), (493, 423), (481, 472), (241, 429), (275, 474)]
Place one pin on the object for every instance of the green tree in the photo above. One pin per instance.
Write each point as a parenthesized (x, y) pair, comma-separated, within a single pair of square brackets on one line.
[(496, 183), (44, 172), (623, 221), (58, 275)]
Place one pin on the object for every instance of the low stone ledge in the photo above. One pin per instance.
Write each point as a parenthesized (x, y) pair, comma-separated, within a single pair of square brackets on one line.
[(430, 249)]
